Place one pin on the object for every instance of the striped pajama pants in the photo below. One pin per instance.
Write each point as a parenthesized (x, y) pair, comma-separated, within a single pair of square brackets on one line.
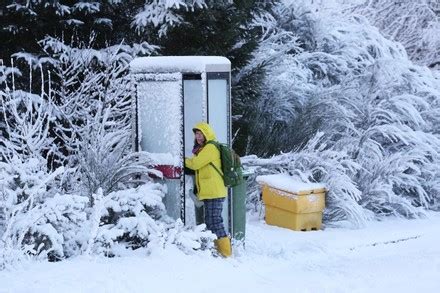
[(213, 216)]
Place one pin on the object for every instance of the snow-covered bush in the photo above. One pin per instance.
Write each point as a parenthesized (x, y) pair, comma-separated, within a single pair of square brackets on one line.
[(23, 193), (136, 217), (45, 226), (36, 219)]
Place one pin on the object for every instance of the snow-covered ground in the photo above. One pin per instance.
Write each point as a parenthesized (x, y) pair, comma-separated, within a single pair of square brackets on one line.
[(395, 255)]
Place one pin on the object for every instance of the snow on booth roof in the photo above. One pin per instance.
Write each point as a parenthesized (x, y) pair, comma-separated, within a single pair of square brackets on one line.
[(289, 184), (185, 64)]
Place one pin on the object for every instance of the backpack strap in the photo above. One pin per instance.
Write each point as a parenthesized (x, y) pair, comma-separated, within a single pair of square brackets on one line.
[(216, 169), (213, 142)]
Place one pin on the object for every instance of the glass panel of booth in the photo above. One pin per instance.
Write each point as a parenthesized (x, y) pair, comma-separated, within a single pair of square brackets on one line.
[(219, 119), (193, 113)]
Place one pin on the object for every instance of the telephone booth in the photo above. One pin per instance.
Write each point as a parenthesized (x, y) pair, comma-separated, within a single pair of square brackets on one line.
[(172, 95)]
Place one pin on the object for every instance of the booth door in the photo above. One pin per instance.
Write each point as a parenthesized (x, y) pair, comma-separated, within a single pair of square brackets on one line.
[(219, 118), (159, 104), (193, 113)]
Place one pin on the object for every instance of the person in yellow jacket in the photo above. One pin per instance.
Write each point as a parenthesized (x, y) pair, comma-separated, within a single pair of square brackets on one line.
[(209, 184)]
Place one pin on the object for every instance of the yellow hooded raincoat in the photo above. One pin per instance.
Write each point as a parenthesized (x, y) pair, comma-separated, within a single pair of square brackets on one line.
[(208, 181)]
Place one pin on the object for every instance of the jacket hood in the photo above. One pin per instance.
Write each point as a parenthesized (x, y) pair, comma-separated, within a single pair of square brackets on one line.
[(207, 131)]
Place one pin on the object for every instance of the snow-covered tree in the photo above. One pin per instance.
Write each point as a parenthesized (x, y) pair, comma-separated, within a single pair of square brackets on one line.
[(415, 24), (165, 14), (338, 76)]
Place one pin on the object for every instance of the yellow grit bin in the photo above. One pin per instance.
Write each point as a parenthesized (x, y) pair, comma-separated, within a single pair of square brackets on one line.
[(292, 204)]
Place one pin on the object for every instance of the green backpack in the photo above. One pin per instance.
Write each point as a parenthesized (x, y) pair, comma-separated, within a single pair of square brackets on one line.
[(231, 172)]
